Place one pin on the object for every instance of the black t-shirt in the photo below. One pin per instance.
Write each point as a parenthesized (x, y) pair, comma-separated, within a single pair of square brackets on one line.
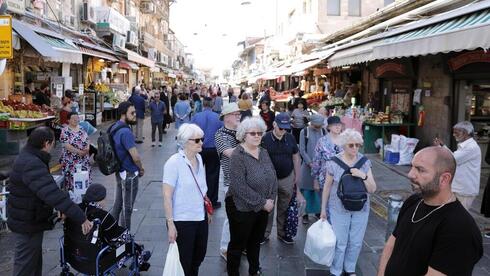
[(448, 240), (281, 152)]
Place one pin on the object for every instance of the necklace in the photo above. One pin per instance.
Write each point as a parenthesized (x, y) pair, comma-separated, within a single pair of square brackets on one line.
[(424, 217)]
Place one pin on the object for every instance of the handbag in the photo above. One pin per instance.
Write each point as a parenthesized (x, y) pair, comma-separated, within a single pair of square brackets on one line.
[(291, 225), (207, 202)]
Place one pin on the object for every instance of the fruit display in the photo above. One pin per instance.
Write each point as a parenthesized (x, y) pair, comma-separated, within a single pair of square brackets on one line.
[(24, 111), (102, 88), (333, 102)]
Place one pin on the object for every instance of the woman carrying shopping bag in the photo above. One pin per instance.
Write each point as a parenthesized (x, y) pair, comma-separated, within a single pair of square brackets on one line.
[(185, 202), (349, 222)]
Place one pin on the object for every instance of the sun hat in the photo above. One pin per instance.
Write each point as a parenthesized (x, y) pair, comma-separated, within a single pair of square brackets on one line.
[(316, 120), (229, 108)]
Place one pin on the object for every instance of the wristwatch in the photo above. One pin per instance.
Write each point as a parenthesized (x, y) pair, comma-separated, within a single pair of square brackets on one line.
[(365, 178)]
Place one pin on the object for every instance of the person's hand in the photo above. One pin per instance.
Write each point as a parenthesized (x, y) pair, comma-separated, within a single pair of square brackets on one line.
[(87, 226), (210, 218), (300, 198), (269, 205), (316, 185), (141, 172), (357, 173), (172, 232), (323, 215), (438, 142)]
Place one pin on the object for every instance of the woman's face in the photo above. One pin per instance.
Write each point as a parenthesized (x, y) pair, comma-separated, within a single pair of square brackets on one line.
[(253, 137), (300, 106), (194, 144), (335, 128), (352, 147), (74, 120)]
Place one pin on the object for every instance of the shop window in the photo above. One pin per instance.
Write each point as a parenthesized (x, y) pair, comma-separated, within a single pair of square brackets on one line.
[(354, 7), (333, 7)]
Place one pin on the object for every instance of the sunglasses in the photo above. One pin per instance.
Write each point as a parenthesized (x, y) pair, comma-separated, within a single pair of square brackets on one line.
[(255, 133), (197, 140), (283, 128), (354, 145)]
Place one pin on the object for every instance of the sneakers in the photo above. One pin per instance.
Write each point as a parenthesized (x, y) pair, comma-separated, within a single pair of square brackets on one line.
[(286, 240), (160, 144), (223, 255), (153, 144), (305, 219), (259, 272), (264, 240), (487, 235)]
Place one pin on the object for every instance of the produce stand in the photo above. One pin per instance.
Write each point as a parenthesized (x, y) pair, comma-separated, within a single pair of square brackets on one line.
[(373, 131), (14, 138)]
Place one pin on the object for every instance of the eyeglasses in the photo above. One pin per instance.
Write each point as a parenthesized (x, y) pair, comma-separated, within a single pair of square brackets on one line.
[(354, 145), (282, 129), (197, 140), (255, 133)]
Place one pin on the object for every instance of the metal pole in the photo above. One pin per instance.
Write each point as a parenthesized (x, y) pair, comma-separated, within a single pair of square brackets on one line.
[(395, 202)]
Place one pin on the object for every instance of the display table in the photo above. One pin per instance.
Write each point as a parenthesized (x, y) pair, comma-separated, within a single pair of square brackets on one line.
[(373, 131), (13, 139)]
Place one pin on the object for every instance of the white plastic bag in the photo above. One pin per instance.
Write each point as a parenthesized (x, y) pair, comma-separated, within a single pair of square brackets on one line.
[(81, 181), (395, 142), (172, 263), (407, 147), (320, 243)]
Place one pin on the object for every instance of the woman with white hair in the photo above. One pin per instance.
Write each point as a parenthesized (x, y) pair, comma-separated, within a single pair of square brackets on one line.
[(349, 226), (250, 197), (184, 189)]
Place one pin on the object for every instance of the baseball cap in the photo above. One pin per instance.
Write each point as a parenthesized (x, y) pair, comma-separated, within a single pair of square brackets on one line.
[(283, 120)]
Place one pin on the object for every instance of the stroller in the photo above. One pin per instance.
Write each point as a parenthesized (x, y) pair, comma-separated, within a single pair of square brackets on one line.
[(91, 256)]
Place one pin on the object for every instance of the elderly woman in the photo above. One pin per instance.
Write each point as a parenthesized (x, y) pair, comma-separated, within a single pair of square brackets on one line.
[(182, 111), (184, 188), (308, 139), (349, 226), (75, 150), (299, 120), (250, 197)]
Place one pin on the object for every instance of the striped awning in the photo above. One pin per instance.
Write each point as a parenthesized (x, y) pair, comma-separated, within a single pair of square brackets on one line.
[(467, 32), (95, 53)]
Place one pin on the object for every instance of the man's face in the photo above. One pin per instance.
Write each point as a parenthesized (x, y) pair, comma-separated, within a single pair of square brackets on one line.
[(131, 116), (49, 146), (424, 175), (279, 131), (232, 119), (264, 107), (459, 135)]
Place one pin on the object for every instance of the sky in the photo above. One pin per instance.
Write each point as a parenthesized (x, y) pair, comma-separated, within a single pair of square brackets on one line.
[(211, 29)]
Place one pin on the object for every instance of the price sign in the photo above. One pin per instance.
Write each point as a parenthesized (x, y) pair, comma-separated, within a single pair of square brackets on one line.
[(80, 89), (6, 37), (59, 90)]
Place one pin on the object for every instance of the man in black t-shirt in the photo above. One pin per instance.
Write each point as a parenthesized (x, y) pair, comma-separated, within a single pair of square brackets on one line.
[(434, 234)]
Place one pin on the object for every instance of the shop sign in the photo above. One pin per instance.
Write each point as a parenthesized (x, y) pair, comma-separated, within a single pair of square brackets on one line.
[(6, 37), (16, 6), (321, 71), (389, 67), (461, 60)]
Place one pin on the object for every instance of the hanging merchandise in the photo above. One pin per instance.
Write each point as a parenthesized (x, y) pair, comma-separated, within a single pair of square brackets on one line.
[(421, 119)]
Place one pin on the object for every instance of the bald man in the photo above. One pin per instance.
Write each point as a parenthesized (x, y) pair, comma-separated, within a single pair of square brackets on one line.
[(434, 234)]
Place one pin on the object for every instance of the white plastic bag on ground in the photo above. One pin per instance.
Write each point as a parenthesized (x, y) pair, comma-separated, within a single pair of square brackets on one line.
[(407, 147), (172, 263), (320, 243), (395, 142)]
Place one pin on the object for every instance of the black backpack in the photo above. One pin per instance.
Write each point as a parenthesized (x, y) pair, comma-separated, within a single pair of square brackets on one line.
[(106, 158), (351, 191)]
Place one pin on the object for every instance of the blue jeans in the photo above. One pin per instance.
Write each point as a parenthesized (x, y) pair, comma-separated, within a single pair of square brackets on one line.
[(349, 228)]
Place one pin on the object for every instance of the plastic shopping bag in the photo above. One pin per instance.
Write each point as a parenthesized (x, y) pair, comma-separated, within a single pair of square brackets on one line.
[(320, 243), (172, 264)]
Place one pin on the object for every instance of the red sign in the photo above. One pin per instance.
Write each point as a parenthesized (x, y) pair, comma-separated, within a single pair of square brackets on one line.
[(389, 67), (459, 61)]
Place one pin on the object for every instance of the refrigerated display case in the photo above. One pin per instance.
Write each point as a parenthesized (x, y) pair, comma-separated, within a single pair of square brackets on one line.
[(94, 106)]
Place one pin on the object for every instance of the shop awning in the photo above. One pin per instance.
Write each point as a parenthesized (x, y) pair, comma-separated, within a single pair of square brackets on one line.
[(128, 65), (135, 57), (301, 67), (353, 55), (466, 32), (51, 48), (94, 53)]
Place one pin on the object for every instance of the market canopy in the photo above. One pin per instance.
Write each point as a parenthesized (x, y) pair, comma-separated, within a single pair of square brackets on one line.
[(128, 65), (353, 55), (466, 32), (135, 57), (95, 53), (51, 48)]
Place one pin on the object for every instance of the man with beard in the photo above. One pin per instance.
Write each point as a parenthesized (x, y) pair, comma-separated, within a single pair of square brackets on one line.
[(130, 163), (434, 234)]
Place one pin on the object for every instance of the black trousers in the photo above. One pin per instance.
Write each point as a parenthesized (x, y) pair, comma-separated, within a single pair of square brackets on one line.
[(210, 158), (192, 241), (28, 259), (154, 127), (246, 231), (296, 132)]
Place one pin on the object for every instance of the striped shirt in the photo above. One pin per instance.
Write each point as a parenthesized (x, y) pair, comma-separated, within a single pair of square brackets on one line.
[(225, 139)]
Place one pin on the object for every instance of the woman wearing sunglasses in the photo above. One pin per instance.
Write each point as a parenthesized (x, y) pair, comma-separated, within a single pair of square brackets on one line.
[(349, 226), (184, 188), (250, 197)]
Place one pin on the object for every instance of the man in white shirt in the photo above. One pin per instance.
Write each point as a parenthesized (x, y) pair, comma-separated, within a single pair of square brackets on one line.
[(466, 183)]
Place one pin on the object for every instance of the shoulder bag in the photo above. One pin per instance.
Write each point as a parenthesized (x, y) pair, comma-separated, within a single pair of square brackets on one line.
[(207, 202)]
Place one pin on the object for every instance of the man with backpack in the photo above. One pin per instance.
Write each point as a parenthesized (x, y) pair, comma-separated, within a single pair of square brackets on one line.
[(284, 154), (118, 154)]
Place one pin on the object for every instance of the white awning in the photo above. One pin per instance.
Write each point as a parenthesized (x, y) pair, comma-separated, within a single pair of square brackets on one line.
[(135, 57), (467, 32), (353, 55)]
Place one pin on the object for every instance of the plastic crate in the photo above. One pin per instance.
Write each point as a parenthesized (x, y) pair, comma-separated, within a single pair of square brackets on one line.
[(391, 157)]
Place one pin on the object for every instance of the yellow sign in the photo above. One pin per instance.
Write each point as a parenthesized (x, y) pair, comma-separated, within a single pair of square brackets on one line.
[(6, 37)]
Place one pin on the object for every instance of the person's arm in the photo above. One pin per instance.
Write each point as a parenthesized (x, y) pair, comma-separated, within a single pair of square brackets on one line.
[(385, 256), (463, 155), (223, 146), (433, 272), (297, 167), (325, 195), (303, 149), (168, 192)]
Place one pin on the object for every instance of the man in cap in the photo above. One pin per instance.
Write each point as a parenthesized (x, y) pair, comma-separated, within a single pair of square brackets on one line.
[(466, 183), (209, 122), (225, 140), (285, 157)]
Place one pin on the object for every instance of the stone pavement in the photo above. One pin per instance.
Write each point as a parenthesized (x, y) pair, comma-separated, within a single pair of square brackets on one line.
[(276, 257)]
